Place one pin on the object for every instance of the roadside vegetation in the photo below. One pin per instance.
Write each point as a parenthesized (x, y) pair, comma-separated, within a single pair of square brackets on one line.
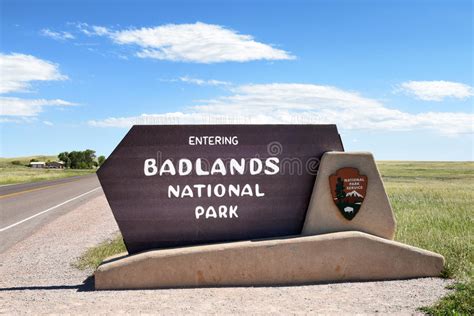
[(16, 170), (93, 257), (433, 206), (432, 202), (74, 163), (81, 159)]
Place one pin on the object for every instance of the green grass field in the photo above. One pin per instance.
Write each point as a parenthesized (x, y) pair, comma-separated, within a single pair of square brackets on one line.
[(433, 204), (13, 173)]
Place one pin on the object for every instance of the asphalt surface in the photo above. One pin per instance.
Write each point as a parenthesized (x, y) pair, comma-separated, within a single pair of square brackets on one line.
[(24, 208)]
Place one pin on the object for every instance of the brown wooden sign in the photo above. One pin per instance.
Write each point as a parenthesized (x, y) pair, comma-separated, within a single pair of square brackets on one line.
[(172, 186), (348, 189)]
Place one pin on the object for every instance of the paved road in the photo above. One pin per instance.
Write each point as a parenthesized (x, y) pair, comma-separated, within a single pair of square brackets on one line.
[(24, 208)]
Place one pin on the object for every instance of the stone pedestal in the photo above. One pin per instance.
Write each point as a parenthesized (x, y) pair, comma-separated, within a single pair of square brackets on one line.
[(336, 257)]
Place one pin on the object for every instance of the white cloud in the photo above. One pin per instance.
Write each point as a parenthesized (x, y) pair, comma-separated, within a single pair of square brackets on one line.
[(173, 118), (90, 30), (100, 30), (18, 70), (17, 120), (11, 106), (198, 42), (203, 82), (289, 103), (59, 36), (436, 90)]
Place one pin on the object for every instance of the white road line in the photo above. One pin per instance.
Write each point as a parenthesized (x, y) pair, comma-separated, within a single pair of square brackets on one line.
[(45, 211)]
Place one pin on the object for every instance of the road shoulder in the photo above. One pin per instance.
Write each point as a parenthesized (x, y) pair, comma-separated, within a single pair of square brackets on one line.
[(37, 277)]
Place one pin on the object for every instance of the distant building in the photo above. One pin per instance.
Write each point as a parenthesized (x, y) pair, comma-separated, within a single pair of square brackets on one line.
[(55, 165), (37, 164)]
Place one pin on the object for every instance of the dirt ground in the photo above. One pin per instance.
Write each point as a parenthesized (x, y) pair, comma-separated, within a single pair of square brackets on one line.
[(36, 277)]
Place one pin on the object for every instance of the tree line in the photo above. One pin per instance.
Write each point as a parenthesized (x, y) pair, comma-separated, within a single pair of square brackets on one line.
[(81, 159)]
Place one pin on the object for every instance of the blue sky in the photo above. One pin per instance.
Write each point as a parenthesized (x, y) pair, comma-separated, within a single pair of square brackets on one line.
[(395, 76)]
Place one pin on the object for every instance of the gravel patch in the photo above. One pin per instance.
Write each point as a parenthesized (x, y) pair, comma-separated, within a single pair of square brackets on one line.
[(36, 277)]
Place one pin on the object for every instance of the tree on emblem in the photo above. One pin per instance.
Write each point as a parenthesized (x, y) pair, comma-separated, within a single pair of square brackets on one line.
[(340, 194)]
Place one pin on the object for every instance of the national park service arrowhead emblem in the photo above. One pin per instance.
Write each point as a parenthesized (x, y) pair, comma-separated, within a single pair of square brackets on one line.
[(348, 188)]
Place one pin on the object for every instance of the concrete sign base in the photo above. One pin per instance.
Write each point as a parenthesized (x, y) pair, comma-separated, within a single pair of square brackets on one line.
[(342, 256), (347, 236)]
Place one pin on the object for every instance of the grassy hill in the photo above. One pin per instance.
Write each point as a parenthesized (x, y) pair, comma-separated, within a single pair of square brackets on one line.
[(16, 170)]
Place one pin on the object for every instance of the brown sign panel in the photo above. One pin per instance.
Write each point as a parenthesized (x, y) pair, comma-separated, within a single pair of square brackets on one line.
[(172, 186), (348, 189)]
